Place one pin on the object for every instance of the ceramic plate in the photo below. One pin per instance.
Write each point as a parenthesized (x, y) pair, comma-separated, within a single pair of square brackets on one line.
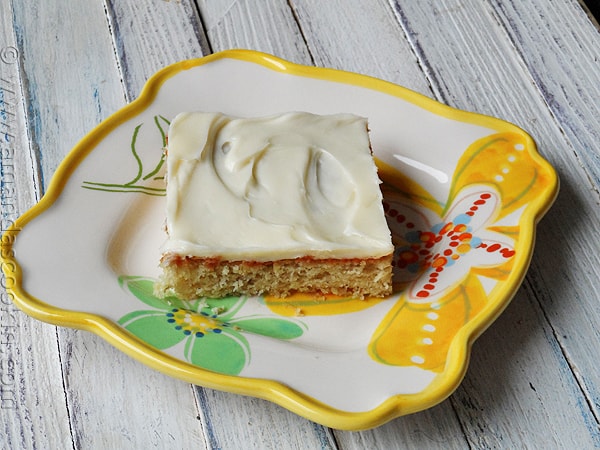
[(462, 192)]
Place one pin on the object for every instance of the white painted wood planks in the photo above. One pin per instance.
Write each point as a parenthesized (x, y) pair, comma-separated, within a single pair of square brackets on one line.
[(532, 381)]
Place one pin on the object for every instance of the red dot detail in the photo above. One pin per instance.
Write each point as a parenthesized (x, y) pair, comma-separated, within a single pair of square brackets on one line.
[(493, 248), (507, 253)]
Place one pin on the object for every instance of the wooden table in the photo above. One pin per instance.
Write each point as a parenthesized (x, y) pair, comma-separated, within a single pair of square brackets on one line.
[(534, 376)]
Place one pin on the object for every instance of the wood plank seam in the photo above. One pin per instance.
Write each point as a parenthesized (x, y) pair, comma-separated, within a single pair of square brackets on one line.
[(581, 384), (302, 32), (420, 55), (113, 30), (18, 82), (68, 406), (204, 29), (205, 414)]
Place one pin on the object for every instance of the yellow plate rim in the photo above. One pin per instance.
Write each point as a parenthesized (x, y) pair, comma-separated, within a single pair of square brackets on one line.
[(397, 405)]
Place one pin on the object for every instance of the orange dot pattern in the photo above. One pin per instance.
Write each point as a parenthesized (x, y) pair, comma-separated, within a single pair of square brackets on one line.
[(434, 250)]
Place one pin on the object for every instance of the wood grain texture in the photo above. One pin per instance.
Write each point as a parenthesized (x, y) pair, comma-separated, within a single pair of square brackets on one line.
[(54, 40), (435, 428), (234, 420), (368, 41), (566, 69), (30, 372), (533, 380), (151, 35), (116, 402), (518, 370), (268, 26)]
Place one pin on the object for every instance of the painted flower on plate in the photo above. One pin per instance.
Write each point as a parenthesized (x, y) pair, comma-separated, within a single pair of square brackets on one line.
[(209, 332), (450, 255)]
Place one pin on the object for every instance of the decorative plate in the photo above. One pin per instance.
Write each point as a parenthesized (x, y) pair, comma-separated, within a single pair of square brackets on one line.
[(462, 193)]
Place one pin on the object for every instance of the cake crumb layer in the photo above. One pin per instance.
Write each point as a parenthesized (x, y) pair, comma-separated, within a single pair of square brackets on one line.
[(191, 277)]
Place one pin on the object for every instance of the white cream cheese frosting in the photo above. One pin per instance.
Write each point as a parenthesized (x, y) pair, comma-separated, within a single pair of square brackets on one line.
[(277, 187)]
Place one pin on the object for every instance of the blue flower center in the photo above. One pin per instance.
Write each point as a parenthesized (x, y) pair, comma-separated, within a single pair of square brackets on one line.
[(194, 324)]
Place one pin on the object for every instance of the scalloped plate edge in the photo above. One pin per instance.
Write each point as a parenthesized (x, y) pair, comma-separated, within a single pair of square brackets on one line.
[(443, 385)]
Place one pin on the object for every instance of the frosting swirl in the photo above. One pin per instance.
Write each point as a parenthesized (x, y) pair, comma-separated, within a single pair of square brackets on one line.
[(284, 186)]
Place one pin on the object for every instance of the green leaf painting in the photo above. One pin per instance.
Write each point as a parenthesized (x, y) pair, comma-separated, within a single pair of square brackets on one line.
[(212, 330), (144, 180)]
